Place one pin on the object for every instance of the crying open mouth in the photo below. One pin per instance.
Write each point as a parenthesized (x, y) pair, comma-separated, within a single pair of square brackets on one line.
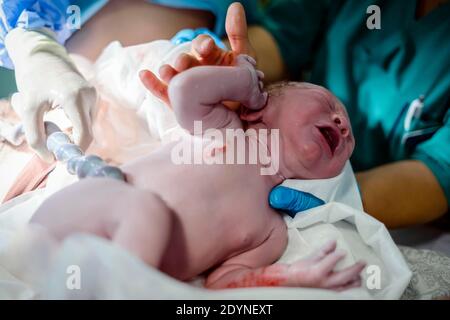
[(331, 137)]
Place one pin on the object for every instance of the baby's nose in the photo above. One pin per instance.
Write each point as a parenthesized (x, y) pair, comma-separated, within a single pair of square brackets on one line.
[(342, 123)]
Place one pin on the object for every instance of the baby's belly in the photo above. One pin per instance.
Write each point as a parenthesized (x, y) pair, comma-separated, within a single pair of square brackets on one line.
[(218, 213)]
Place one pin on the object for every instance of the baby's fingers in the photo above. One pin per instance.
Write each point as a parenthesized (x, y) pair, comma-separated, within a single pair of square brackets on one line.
[(355, 283), (328, 248), (264, 97), (327, 264), (251, 60), (260, 74), (343, 277), (247, 61)]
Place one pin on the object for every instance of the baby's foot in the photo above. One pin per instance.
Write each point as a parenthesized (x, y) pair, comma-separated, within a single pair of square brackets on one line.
[(257, 98)]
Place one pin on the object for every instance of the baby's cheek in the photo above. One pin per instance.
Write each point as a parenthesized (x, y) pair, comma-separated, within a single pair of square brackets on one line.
[(336, 165), (310, 153), (319, 167)]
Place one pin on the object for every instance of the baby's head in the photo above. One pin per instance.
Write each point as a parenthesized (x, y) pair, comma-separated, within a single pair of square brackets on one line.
[(316, 139)]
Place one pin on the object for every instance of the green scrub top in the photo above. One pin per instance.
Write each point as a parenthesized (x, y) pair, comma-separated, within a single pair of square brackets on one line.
[(375, 73)]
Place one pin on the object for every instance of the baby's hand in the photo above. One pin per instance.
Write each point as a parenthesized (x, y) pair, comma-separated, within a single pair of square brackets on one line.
[(257, 98), (317, 271)]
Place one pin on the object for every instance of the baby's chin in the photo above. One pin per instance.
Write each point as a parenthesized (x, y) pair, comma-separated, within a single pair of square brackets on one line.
[(315, 165), (325, 169), (334, 169), (312, 162)]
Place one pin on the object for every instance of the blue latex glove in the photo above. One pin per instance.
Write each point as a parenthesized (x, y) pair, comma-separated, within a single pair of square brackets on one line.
[(186, 35), (32, 14), (292, 201)]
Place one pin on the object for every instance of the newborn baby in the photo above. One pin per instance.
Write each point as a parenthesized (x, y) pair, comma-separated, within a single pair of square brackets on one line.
[(214, 219)]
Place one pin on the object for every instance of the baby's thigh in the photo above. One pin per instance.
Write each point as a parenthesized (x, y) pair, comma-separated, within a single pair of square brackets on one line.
[(91, 205), (146, 229)]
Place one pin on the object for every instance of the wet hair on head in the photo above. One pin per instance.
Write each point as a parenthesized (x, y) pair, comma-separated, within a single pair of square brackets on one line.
[(276, 89)]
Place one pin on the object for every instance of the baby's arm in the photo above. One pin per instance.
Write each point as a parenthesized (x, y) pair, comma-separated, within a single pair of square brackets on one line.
[(197, 94), (254, 269)]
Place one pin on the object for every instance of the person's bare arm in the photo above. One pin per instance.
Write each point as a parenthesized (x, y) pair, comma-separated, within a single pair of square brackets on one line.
[(402, 193), (255, 268)]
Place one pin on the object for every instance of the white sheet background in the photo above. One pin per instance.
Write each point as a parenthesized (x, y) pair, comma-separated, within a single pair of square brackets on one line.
[(33, 265)]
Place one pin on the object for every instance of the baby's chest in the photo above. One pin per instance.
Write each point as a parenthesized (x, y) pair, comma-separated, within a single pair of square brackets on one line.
[(236, 191)]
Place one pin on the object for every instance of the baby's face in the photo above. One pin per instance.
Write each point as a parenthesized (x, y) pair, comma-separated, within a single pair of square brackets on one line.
[(316, 139)]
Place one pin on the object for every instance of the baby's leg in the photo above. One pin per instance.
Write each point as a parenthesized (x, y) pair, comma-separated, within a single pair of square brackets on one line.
[(135, 219), (146, 231)]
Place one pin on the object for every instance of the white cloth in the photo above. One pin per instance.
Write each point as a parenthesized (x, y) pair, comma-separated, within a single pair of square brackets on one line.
[(342, 188), (33, 265), (117, 75)]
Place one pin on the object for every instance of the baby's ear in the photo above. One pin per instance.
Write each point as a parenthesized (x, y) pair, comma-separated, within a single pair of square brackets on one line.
[(253, 116)]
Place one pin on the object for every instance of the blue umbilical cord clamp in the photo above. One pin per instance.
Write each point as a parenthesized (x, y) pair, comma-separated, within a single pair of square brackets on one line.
[(292, 201)]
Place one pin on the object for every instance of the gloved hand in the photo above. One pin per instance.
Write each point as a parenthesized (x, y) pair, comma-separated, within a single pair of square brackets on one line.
[(47, 78), (187, 35), (292, 201)]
